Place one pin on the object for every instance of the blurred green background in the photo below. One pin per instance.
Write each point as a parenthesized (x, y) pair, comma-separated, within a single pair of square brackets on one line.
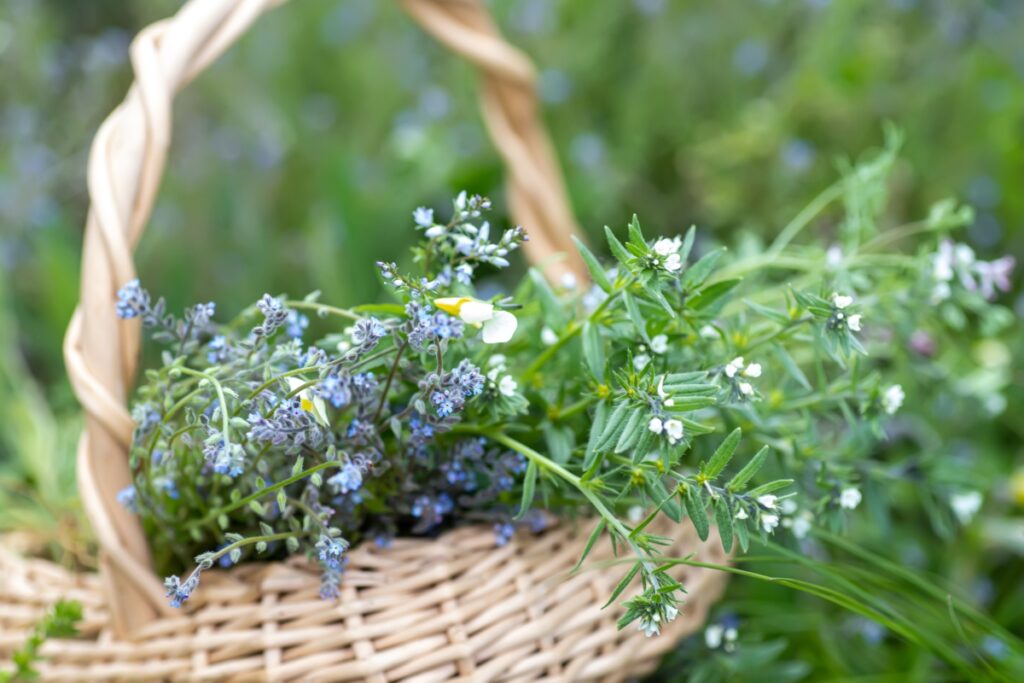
[(297, 158)]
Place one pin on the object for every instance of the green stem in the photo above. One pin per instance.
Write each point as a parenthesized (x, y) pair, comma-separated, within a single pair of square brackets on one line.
[(391, 378), (225, 417), (803, 219), (242, 502), (323, 308), (252, 541)]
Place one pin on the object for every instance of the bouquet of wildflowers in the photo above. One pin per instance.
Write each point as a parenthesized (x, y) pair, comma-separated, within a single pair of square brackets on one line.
[(738, 392)]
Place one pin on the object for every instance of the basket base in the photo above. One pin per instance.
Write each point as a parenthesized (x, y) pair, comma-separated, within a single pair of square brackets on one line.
[(452, 609)]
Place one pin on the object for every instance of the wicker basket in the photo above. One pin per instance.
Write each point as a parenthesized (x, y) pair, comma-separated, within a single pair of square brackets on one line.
[(455, 608)]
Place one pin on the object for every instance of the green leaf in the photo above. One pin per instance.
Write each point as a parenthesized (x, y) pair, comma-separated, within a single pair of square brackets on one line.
[(723, 454), (631, 432), (749, 470), (791, 367), (684, 251), (594, 535), (614, 426), (723, 519), (769, 487), (623, 584), (593, 351), (695, 275), (554, 315), (712, 293), (596, 432), (634, 314), (618, 251), (282, 502), (597, 272), (695, 509), (636, 235), (296, 467), (742, 535), (256, 507), (771, 314), (529, 486)]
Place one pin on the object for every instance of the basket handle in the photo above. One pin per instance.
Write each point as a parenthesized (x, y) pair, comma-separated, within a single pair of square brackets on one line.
[(126, 163)]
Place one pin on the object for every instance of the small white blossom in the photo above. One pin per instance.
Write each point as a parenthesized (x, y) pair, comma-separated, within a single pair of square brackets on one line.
[(853, 322), (708, 332), (569, 281), (965, 505), (801, 525), (635, 514), (497, 360), (841, 300), (640, 362), (548, 336), (788, 506), (734, 366), (752, 370), (767, 501), (713, 636), (834, 257), (769, 522), (666, 246), (849, 498), (507, 386), (746, 389), (742, 514), (655, 425), (434, 231), (659, 343), (892, 399), (674, 430), (673, 263)]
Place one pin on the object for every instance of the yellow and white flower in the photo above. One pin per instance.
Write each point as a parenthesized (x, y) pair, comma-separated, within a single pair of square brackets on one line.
[(498, 325), (311, 401)]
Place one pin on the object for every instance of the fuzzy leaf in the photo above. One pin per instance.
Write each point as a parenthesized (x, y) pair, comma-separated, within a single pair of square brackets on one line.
[(529, 486), (593, 351), (618, 251), (634, 314), (749, 470), (594, 535), (597, 426), (723, 454), (723, 519), (696, 274), (712, 293), (623, 584), (597, 272), (695, 509), (631, 432)]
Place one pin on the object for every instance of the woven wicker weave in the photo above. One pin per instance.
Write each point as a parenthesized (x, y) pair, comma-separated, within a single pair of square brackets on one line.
[(452, 608)]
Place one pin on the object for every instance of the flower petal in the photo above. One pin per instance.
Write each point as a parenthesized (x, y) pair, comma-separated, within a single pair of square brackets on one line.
[(500, 328), (451, 304), (476, 312)]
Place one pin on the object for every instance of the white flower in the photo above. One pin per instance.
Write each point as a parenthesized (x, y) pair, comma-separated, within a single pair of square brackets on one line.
[(666, 246), (655, 425), (853, 322), (734, 366), (635, 514), (641, 361), (841, 300), (892, 399), (713, 636), (498, 326), (788, 506), (834, 257), (434, 231), (548, 337), (673, 263), (311, 402), (752, 370), (769, 522), (746, 389), (801, 525), (965, 505), (742, 514), (849, 498), (507, 386), (674, 430), (659, 343), (569, 281), (709, 332), (768, 501), (650, 626), (496, 361)]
